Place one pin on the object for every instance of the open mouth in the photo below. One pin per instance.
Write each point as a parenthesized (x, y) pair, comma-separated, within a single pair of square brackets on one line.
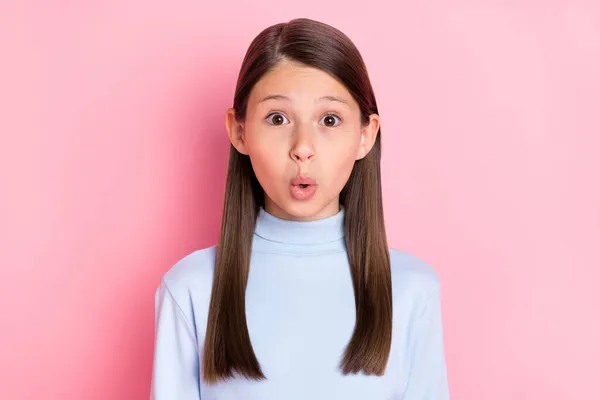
[(303, 188)]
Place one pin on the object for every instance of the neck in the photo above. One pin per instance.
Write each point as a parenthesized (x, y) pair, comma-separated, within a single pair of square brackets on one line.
[(292, 232)]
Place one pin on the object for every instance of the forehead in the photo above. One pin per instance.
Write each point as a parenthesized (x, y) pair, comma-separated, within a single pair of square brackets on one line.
[(299, 81)]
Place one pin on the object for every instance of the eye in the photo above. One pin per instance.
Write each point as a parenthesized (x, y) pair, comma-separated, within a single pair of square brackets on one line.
[(329, 120), (276, 119)]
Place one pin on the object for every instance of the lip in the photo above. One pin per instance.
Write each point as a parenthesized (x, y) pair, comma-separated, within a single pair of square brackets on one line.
[(302, 180), (303, 193)]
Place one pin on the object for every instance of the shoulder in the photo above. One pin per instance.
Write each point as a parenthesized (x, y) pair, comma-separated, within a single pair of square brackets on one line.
[(413, 279), (189, 279), (197, 265), (411, 268)]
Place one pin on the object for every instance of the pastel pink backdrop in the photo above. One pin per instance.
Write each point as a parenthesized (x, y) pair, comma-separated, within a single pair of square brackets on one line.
[(113, 156)]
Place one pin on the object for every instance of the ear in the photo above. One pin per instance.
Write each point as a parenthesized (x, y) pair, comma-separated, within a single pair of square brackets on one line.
[(235, 130), (368, 134)]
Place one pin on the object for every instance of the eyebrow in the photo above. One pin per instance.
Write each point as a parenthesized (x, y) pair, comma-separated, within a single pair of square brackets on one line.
[(282, 97)]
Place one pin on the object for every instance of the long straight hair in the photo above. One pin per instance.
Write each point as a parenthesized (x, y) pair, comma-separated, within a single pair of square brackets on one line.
[(227, 346)]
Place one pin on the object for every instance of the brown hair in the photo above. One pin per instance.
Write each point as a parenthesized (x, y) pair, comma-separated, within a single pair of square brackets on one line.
[(227, 346)]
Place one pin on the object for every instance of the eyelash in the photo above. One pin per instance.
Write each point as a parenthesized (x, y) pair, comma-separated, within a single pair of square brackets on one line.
[(326, 115)]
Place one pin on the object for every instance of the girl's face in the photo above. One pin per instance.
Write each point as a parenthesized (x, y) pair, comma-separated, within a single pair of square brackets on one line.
[(303, 133)]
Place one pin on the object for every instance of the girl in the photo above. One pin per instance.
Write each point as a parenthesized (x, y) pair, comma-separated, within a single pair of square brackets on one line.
[(302, 298)]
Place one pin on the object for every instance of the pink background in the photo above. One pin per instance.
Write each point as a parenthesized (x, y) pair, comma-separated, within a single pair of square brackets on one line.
[(113, 155)]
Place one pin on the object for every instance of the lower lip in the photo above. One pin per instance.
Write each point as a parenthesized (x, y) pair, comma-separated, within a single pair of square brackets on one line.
[(300, 193)]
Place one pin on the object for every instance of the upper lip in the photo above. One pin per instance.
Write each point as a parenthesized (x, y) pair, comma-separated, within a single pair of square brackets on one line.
[(303, 180)]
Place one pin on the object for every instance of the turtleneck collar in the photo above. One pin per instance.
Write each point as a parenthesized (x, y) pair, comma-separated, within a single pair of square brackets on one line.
[(315, 232)]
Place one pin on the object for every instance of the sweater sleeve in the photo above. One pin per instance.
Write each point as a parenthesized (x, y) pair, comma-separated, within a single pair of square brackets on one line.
[(428, 377), (175, 370)]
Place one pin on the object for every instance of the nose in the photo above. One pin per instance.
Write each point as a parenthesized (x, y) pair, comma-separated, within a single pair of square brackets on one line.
[(303, 148)]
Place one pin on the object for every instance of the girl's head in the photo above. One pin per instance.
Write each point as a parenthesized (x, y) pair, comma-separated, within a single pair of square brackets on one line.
[(303, 108)]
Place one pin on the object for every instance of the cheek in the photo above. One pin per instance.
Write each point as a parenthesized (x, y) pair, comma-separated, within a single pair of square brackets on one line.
[(264, 167), (344, 147), (341, 162), (261, 142), (265, 154)]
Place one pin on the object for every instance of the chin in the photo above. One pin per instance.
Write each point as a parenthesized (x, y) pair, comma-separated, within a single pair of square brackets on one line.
[(302, 210)]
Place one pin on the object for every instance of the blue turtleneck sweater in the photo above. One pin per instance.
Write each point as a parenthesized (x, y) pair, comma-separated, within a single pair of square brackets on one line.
[(300, 313)]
